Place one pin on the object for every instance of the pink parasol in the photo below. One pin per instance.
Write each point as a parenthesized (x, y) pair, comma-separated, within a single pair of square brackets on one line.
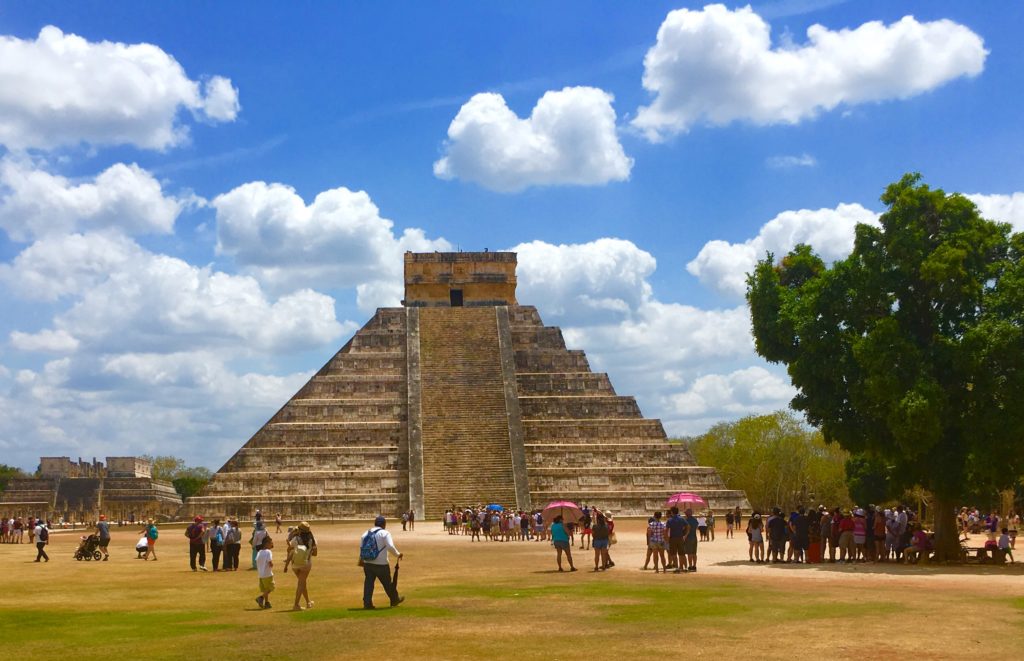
[(686, 499), (569, 511)]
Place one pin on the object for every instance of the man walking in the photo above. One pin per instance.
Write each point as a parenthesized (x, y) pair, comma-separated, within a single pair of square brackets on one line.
[(374, 547), (42, 537), (103, 529)]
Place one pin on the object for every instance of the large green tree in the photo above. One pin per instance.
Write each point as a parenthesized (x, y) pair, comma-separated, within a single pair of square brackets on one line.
[(910, 350), (776, 460)]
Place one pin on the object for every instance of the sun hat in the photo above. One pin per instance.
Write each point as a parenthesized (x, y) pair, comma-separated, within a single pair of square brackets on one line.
[(303, 527)]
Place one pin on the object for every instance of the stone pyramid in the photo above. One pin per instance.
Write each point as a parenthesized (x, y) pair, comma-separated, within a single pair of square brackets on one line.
[(460, 397)]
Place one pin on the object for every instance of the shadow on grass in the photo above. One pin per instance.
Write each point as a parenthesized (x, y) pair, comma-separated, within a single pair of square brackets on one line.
[(889, 568)]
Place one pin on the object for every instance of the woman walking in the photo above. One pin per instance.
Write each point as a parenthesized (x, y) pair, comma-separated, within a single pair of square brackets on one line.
[(301, 551)]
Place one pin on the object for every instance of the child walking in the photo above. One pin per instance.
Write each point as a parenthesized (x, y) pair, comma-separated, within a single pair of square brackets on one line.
[(265, 569), (1004, 544)]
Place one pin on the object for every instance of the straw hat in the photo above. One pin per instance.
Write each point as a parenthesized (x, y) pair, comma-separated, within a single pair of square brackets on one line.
[(303, 527)]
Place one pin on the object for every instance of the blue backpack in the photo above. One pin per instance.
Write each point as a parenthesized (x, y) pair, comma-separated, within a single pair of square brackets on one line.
[(368, 549)]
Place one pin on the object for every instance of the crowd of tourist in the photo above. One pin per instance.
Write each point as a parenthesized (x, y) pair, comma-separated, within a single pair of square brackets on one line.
[(858, 535)]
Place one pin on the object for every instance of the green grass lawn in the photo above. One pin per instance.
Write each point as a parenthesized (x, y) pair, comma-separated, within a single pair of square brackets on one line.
[(489, 601)]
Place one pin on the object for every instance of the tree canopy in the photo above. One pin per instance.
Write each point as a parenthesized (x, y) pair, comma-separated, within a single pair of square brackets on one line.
[(8, 473), (776, 460), (912, 348)]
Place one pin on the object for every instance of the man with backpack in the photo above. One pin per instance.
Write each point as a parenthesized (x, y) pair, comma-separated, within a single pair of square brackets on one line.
[(374, 546), (196, 543), (42, 537)]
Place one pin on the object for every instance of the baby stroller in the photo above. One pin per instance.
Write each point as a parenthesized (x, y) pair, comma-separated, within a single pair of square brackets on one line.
[(88, 549)]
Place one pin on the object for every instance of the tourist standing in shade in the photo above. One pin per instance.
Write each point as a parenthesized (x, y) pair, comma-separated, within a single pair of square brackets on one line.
[(560, 539), (374, 547), (677, 530), (103, 531), (690, 543), (42, 537)]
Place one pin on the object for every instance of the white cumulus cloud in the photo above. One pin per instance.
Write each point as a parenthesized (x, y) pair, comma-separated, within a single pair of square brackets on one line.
[(35, 203), (1002, 208), (129, 299), (47, 341), (339, 240), (724, 266), (60, 89), (581, 280), (568, 139), (718, 66)]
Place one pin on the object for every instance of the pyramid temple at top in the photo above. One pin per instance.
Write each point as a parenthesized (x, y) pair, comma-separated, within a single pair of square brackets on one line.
[(460, 397)]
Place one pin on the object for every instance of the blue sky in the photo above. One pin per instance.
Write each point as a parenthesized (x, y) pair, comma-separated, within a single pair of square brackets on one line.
[(200, 202)]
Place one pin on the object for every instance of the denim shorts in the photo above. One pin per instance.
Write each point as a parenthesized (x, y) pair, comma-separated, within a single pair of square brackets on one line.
[(600, 543)]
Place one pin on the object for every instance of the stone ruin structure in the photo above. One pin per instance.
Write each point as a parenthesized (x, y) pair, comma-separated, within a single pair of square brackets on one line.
[(460, 397), (82, 490)]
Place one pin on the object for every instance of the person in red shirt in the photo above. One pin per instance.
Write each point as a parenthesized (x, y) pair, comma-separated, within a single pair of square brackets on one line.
[(847, 550)]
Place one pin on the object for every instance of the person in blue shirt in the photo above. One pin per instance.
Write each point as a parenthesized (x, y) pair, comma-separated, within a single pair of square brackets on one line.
[(678, 529), (690, 542), (560, 538)]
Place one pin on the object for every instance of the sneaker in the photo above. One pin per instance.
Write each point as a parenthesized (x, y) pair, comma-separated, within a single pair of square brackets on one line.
[(105, 558), (266, 604), (401, 599), (371, 607), (259, 601), (202, 568), (694, 568), (677, 570)]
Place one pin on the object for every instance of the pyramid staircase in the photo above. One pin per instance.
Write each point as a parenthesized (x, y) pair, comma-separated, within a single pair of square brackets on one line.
[(466, 457)]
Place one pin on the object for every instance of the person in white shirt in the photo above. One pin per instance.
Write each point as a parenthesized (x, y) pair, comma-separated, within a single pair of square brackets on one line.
[(42, 537), (265, 569), (376, 568)]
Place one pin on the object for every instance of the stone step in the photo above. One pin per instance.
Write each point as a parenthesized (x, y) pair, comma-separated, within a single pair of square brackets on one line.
[(537, 337), (348, 409), (290, 435), (551, 360), (367, 363), (562, 456), (583, 430), (563, 383), (523, 315), (560, 407), (370, 386)]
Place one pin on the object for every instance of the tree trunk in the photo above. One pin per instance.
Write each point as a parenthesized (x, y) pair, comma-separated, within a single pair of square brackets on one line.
[(947, 534)]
